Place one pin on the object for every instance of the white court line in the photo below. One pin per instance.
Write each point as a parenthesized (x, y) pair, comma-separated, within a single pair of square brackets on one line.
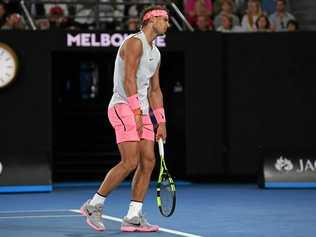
[(28, 211), (175, 232), (30, 217)]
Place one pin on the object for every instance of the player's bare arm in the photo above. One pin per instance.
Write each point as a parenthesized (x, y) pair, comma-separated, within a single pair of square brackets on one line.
[(131, 54), (155, 94), (156, 101)]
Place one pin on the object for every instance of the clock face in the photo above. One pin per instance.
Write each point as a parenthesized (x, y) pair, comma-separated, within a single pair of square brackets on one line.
[(8, 65)]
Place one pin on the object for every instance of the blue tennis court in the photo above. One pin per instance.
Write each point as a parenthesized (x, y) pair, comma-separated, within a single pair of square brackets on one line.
[(202, 210)]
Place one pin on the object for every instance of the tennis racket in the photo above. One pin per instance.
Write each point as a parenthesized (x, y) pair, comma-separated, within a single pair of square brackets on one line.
[(166, 189)]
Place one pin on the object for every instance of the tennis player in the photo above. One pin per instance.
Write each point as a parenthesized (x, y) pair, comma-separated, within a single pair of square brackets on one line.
[(136, 90)]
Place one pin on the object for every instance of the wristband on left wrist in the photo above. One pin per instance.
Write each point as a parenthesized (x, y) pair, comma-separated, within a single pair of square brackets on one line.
[(160, 115), (133, 102)]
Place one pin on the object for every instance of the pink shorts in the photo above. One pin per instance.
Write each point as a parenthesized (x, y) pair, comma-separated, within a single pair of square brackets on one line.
[(122, 119)]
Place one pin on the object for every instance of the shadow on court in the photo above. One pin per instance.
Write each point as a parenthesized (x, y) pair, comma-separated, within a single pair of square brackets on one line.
[(202, 210), (57, 224)]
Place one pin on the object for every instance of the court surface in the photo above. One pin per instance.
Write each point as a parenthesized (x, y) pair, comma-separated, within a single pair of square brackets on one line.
[(202, 210)]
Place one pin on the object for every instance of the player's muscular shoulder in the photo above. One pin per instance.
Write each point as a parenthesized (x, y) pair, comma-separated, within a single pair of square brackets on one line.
[(132, 46)]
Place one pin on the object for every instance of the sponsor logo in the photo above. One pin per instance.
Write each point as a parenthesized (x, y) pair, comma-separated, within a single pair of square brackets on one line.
[(103, 40), (283, 164)]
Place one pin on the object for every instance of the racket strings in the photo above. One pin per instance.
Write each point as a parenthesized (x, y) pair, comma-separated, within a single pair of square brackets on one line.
[(166, 196)]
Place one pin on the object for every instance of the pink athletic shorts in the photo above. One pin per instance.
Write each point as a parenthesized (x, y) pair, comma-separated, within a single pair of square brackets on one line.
[(122, 119)]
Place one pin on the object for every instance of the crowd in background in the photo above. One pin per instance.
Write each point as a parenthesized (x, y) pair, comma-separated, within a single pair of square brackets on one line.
[(240, 15), (203, 15)]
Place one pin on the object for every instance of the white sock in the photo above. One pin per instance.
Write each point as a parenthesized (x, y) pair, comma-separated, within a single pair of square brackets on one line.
[(97, 199), (135, 208)]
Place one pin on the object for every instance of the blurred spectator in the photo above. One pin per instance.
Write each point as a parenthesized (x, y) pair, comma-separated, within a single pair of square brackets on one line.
[(13, 21), (2, 13), (292, 26), (240, 7), (268, 6), (227, 7), (56, 18), (217, 6), (195, 8), (42, 24), (49, 6), (132, 24), (280, 17), (263, 24), (248, 22), (227, 24), (204, 23), (12, 5)]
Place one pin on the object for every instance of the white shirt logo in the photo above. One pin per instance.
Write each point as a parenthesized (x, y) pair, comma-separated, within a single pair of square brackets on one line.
[(283, 164)]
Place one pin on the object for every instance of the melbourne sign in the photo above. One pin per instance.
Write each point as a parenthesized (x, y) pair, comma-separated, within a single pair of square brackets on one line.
[(103, 40)]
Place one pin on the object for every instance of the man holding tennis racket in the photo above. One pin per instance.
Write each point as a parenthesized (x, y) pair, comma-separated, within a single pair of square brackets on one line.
[(136, 90)]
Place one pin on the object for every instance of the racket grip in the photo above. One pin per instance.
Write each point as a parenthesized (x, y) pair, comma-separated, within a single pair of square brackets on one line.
[(160, 145)]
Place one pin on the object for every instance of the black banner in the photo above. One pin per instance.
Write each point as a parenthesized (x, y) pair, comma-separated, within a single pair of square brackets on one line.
[(26, 116), (28, 172), (289, 170)]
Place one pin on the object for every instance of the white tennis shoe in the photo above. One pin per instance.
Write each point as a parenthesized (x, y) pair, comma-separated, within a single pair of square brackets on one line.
[(94, 215)]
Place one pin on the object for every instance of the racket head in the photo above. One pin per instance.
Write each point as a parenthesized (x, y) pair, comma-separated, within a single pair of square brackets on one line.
[(166, 194)]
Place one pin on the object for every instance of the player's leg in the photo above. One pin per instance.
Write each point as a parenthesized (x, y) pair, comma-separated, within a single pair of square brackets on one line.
[(134, 220), (146, 163), (127, 138), (129, 160), (122, 119), (144, 170)]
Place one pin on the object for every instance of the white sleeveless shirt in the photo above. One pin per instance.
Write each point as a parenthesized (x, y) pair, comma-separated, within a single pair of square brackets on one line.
[(149, 61)]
